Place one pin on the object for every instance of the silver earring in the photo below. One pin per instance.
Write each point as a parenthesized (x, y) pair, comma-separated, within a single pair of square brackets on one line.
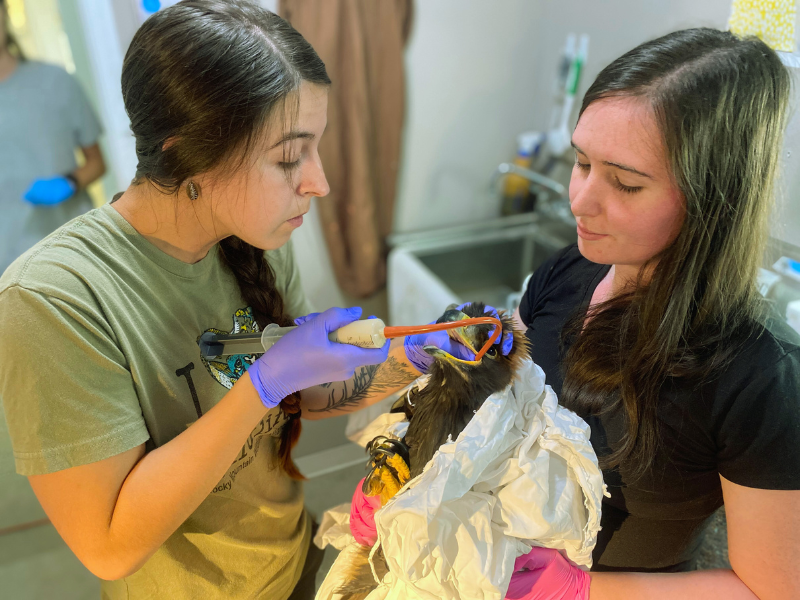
[(192, 192)]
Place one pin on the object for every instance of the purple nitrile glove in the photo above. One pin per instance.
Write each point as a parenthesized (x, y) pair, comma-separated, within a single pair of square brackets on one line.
[(308, 317), (414, 346), (49, 192), (422, 361), (543, 574), (306, 357), (507, 339), (301, 320)]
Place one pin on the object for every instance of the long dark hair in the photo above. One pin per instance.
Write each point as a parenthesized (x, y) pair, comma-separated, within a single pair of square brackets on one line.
[(11, 42), (720, 103), (207, 75)]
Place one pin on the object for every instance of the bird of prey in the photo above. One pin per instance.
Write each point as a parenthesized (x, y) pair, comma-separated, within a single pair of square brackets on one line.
[(454, 392)]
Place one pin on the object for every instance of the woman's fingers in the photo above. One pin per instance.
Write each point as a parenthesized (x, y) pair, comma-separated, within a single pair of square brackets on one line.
[(308, 317), (335, 318), (506, 340), (537, 558)]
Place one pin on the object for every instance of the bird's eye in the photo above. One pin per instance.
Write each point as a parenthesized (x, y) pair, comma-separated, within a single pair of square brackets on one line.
[(492, 351)]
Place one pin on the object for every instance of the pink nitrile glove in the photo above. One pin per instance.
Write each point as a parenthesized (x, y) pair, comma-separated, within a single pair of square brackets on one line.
[(544, 574), (362, 516)]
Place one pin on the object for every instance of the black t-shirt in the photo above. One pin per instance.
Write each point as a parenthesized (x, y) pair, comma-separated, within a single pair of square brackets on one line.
[(744, 425)]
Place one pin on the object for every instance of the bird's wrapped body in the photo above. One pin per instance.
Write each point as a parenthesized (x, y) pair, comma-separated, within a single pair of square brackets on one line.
[(454, 392)]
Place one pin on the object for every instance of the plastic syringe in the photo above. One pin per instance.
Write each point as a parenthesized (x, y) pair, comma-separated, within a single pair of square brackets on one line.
[(368, 333)]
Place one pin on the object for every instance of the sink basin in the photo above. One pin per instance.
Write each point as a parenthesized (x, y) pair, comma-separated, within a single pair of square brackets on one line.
[(487, 262)]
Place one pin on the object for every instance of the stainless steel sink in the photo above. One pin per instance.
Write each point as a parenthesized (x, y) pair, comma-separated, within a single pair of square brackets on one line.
[(486, 262)]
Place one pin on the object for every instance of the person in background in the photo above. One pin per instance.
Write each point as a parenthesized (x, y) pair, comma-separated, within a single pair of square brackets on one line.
[(652, 328), (44, 118)]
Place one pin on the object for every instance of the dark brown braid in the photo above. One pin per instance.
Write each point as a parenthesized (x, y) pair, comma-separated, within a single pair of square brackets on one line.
[(256, 281)]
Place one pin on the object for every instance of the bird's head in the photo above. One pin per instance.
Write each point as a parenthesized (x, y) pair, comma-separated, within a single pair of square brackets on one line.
[(494, 371)]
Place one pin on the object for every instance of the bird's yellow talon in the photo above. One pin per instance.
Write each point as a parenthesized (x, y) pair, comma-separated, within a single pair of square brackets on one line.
[(400, 466), (390, 485)]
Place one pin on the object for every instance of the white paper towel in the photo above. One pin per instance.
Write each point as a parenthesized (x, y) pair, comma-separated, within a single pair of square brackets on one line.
[(522, 472)]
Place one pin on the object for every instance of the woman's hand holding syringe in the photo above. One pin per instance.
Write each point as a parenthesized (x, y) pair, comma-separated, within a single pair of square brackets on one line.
[(304, 356), (368, 333)]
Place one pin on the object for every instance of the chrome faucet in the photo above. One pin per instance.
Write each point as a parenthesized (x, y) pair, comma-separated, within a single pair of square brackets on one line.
[(553, 207)]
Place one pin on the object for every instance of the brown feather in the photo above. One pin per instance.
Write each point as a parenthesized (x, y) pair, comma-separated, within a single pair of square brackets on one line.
[(455, 392), (359, 577)]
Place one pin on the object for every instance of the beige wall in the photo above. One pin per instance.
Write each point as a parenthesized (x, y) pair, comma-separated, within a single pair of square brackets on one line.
[(478, 76)]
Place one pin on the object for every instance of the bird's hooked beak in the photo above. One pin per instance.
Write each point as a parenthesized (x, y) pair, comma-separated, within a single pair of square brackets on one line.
[(467, 336)]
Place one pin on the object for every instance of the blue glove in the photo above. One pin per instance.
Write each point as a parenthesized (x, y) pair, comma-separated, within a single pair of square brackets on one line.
[(507, 339), (48, 192), (306, 357), (422, 361)]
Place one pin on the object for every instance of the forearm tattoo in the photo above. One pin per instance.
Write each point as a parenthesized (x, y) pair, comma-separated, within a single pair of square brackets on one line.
[(373, 379)]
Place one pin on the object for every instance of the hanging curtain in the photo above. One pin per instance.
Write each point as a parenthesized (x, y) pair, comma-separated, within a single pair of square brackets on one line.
[(361, 43)]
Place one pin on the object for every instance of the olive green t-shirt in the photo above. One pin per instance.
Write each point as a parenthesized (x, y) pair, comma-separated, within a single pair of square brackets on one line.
[(98, 342)]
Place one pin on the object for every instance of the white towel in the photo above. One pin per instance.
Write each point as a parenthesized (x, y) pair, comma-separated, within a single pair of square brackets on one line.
[(522, 473)]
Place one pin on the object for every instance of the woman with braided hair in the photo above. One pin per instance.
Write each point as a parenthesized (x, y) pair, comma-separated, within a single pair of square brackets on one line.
[(167, 474)]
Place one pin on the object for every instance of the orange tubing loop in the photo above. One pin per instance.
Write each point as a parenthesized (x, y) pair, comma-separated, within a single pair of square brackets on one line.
[(394, 332)]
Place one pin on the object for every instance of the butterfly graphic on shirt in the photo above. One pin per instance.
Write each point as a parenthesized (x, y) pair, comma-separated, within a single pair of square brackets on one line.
[(227, 370)]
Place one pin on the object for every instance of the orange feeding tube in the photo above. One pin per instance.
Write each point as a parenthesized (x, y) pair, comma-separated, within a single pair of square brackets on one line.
[(395, 332)]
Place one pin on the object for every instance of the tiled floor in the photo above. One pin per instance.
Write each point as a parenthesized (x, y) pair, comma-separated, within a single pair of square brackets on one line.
[(36, 564), (329, 491), (17, 502), (318, 436), (713, 553)]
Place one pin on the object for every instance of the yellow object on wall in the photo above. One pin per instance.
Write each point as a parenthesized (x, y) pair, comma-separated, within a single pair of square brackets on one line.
[(771, 20)]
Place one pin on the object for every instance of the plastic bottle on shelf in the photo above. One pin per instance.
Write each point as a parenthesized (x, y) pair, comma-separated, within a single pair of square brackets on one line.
[(517, 196)]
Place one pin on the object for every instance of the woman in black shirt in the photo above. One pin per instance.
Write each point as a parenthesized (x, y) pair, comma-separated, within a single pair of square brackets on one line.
[(651, 327)]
